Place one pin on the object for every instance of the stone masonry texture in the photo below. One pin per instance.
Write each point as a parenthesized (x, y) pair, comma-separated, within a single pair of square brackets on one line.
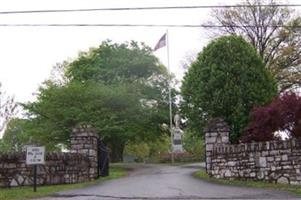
[(78, 165), (273, 161)]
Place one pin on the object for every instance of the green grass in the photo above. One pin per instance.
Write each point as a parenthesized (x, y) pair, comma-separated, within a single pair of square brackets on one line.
[(22, 193), (255, 184)]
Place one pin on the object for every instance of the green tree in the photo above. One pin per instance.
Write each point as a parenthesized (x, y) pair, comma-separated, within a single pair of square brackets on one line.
[(16, 134), (120, 89), (227, 80), (111, 63), (273, 31)]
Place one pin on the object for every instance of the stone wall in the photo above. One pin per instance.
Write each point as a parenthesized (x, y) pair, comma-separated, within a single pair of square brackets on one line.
[(274, 161), (77, 166), (59, 168)]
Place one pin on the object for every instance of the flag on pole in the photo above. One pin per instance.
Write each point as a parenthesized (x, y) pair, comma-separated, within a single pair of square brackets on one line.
[(161, 42)]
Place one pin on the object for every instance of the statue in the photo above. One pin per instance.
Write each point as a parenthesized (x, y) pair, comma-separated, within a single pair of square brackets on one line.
[(177, 135), (177, 120)]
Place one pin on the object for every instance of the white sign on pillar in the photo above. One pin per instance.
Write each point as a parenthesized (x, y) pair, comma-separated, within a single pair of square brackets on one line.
[(35, 155)]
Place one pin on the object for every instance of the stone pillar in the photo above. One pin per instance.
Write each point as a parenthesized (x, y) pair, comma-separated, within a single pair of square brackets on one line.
[(84, 140), (216, 132)]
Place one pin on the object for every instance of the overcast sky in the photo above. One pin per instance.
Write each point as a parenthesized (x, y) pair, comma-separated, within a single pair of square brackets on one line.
[(29, 53)]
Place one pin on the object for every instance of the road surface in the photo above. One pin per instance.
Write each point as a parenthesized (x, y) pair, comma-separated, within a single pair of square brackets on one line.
[(165, 182)]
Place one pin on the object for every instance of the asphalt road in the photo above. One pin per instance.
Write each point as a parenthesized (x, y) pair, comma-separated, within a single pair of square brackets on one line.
[(166, 182)]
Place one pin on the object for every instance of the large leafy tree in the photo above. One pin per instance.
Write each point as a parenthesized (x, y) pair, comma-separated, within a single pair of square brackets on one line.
[(111, 63), (121, 89), (227, 80), (273, 31)]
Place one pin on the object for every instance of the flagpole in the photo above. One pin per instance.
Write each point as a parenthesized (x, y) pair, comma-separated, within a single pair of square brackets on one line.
[(169, 97)]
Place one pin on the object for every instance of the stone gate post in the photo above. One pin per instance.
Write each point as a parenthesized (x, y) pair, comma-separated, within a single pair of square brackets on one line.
[(216, 132), (84, 140)]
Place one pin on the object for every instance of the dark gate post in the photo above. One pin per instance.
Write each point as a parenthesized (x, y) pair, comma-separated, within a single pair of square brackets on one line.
[(103, 159)]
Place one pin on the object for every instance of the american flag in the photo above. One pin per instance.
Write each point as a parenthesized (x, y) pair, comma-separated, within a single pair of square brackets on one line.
[(161, 42)]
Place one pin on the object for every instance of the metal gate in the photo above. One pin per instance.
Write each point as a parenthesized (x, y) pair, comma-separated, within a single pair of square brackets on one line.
[(103, 159)]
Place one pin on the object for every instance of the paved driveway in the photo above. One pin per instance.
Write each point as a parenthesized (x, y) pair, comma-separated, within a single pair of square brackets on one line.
[(166, 182)]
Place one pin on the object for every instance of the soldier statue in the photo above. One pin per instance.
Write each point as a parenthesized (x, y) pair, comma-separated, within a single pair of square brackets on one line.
[(177, 120)]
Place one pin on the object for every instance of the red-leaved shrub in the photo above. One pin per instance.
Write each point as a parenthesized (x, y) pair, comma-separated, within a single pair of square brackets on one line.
[(282, 114)]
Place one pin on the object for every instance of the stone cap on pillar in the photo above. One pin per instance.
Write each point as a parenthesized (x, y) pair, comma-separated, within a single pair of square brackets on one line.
[(84, 130), (216, 125)]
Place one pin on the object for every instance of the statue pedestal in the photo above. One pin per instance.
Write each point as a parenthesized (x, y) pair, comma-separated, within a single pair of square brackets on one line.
[(177, 140)]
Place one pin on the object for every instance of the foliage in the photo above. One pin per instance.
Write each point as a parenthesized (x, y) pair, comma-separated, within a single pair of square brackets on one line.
[(179, 157), (8, 108), (16, 134), (149, 150), (273, 31), (3, 146), (120, 89), (194, 144), (140, 151), (225, 84), (111, 63), (282, 114), (159, 145), (114, 110), (76, 103)]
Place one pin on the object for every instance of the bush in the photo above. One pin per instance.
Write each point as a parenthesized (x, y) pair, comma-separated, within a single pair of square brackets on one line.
[(282, 114), (165, 157), (139, 151), (194, 144), (147, 151), (227, 80)]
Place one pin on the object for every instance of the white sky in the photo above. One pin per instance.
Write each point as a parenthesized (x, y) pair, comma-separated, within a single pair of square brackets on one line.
[(29, 53)]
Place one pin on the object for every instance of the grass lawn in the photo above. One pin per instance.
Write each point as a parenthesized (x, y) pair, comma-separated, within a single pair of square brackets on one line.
[(21, 193), (256, 184)]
